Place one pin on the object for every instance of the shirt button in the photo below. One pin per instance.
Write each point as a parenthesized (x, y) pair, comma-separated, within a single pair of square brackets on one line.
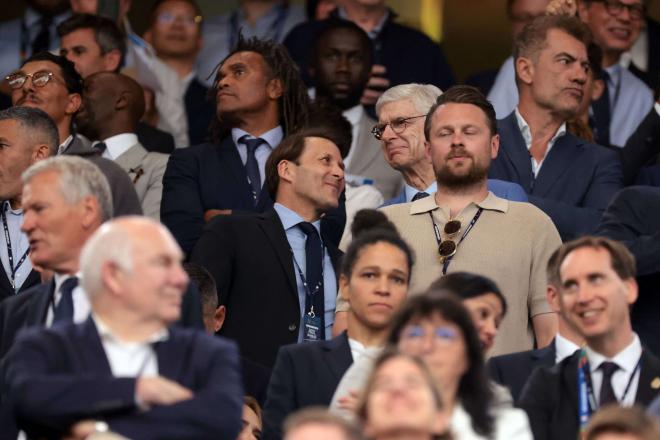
[(292, 327)]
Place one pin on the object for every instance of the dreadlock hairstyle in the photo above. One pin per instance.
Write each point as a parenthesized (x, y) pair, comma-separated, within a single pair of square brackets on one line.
[(294, 103)]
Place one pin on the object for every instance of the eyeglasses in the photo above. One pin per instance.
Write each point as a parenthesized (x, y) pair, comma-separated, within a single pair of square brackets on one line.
[(188, 20), (398, 126), (39, 79), (614, 7), (441, 335)]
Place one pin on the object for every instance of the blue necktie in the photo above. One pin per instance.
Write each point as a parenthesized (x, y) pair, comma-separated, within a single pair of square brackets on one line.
[(314, 275), (420, 195), (64, 309), (607, 395), (252, 166)]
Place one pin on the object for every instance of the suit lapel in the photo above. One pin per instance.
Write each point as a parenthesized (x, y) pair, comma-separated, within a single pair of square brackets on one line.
[(5, 285), (563, 154), (91, 350), (132, 159), (172, 357), (229, 156), (32, 280), (515, 150), (38, 308), (569, 382), (364, 154), (337, 355), (272, 226), (544, 356), (335, 256), (649, 379)]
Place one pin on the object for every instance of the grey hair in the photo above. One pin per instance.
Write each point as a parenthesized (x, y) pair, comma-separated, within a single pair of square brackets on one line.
[(78, 178), (109, 243), (35, 124), (422, 96)]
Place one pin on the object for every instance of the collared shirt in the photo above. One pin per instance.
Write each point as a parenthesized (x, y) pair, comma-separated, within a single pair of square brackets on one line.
[(564, 348), (410, 191), (81, 305), (504, 93), (221, 31), (353, 114), (526, 132), (630, 101), (627, 359), (170, 101), (373, 34), (19, 245), (638, 53), (359, 350), (64, 145), (130, 359), (273, 137), (297, 238), (117, 145)]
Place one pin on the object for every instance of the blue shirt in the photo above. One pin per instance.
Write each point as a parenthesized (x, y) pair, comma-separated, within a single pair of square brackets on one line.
[(296, 238), (19, 245), (272, 137), (410, 192)]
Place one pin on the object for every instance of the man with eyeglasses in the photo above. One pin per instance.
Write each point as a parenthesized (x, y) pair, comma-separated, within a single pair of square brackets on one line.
[(50, 82), (465, 227), (181, 99)]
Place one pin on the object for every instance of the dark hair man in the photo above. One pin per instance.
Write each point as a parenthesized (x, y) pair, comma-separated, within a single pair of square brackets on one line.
[(464, 227), (569, 179), (597, 288), (289, 285)]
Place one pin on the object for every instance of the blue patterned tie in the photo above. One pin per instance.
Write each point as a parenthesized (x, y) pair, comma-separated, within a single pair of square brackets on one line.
[(420, 195), (314, 275), (252, 166), (64, 309)]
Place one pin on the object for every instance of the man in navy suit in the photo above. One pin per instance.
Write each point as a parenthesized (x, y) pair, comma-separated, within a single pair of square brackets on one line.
[(568, 178), (126, 369), (597, 287), (260, 98)]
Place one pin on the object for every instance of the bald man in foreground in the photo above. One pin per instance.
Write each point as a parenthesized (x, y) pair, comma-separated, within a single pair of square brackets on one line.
[(112, 105), (126, 369)]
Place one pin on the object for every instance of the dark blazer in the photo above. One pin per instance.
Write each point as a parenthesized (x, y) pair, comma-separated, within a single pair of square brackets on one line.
[(61, 375), (304, 375), (7, 291), (210, 176), (200, 110), (250, 258), (642, 147), (551, 401), (513, 370), (652, 75), (575, 184), (633, 218), (153, 139)]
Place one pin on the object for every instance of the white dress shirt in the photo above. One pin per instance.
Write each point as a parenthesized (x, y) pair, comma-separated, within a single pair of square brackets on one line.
[(358, 350), (627, 360), (81, 306), (119, 144), (353, 115), (526, 132), (130, 359), (564, 348)]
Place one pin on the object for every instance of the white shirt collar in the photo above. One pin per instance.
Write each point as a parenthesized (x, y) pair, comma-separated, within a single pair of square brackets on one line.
[(354, 114), (526, 133), (61, 277), (564, 348), (106, 333), (626, 359), (119, 144), (410, 192), (64, 145), (273, 136)]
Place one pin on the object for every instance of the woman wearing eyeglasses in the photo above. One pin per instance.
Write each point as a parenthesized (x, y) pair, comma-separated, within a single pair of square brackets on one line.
[(401, 400), (439, 329)]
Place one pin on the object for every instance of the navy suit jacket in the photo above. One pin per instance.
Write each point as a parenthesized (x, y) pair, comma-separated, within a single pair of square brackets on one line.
[(513, 370), (250, 258), (61, 375), (210, 176), (304, 375), (575, 184), (550, 396)]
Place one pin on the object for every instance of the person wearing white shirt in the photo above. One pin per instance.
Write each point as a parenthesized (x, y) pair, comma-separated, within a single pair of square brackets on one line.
[(597, 287)]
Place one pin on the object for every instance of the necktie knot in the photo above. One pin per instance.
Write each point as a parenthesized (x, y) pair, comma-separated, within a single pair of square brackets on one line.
[(252, 165), (608, 369), (308, 228), (607, 395), (420, 195), (252, 144), (64, 309)]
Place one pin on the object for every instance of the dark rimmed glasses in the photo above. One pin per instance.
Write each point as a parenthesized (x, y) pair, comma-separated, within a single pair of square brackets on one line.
[(39, 79), (398, 125), (614, 7)]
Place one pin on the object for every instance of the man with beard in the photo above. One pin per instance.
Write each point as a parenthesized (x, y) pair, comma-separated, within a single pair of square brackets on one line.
[(464, 227), (570, 179)]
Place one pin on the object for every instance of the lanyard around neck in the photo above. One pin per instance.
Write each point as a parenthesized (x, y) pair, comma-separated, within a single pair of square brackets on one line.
[(10, 254), (438, 237)]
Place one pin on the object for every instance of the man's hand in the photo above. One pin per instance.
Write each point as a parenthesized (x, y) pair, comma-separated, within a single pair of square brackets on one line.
[(160, 391), (81, 430), (210, 213), (558, 7), (349, 402), (376, 86)]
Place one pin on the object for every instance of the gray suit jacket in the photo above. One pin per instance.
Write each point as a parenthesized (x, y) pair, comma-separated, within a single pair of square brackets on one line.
[(368, 161), (146, 171)]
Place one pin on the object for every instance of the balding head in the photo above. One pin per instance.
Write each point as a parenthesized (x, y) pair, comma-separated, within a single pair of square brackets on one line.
[(112, 104), (131, 271)]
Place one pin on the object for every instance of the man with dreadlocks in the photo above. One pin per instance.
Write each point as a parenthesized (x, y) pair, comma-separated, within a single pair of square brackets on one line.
[(260, 99)]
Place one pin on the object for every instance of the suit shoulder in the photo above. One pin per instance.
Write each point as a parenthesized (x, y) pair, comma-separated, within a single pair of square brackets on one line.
[(198, 151), (511, 358), (298, 351), (234, 221), (193, 336)]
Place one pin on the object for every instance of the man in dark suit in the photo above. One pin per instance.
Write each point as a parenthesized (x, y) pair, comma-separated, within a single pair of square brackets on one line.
[(28, 135), (260, 98), (96, 44), (597, 287), (569, 179), (634, 219), (126, 364), (308, 374), (276, 271), (513, 370)]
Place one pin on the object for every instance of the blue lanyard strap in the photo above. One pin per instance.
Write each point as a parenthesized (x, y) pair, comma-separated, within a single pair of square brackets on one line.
[(308, 291), (13, 269)]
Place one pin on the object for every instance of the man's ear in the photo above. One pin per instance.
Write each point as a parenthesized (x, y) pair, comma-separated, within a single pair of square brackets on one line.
[(285, 170), (219, 317), (73, 104), (275, 89), (40, 152), (494, 146), (525, 70), (597, 89), (112, 60)]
